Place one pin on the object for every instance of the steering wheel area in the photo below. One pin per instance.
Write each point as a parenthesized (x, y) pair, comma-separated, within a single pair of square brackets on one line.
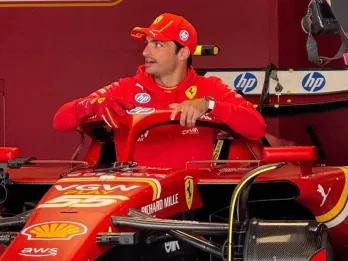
[(139, 120)]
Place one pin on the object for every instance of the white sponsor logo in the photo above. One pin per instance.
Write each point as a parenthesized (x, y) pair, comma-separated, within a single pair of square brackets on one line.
[(39, 251), (160, 204), (82, 201), (93, 187), (324, 194), (184, 35), (171, 246), (141, 110), (206, 117), (142, 97), (139, 85), (143, 136), (192, 131)]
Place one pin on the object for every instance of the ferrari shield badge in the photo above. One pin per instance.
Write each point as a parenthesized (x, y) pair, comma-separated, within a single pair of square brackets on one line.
[(189, 191), (191, 92)]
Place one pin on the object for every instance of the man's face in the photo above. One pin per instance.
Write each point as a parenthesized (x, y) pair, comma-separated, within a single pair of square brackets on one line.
[(160, 57)]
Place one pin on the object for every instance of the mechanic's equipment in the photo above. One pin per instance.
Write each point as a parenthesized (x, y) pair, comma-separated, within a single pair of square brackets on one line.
[(321, 20)]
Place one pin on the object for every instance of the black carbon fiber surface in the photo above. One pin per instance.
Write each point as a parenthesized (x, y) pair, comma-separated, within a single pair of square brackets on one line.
[(283, 241)]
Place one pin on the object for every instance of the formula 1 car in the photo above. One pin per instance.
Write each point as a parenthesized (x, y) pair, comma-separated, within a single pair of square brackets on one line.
[(255, 203)]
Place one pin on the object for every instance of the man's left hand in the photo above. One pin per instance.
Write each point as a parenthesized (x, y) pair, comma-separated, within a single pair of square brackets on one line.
[(191, 110)]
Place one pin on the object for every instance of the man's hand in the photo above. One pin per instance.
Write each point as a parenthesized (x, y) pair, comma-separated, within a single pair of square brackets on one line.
[(191, 110), (104, 107)]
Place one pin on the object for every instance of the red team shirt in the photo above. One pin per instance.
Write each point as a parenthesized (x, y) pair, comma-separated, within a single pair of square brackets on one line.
[(172, 145)]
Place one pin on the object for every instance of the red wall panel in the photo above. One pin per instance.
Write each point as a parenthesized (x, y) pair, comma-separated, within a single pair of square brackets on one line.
[(51, 55)]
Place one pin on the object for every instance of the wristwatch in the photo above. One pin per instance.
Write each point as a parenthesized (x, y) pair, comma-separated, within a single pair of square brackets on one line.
[(211, 103)]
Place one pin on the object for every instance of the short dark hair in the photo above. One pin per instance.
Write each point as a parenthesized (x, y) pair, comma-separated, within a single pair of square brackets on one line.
[(178, 47)]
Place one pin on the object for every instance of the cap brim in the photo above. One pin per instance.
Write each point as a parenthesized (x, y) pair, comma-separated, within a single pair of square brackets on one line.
[(139, 33)]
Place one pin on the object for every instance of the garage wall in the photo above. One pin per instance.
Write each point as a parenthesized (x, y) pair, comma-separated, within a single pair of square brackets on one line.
[(49, 55)]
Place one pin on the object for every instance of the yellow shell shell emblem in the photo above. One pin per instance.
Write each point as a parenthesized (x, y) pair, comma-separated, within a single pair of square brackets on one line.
[(63, 230), (189, 191), (191, 92)]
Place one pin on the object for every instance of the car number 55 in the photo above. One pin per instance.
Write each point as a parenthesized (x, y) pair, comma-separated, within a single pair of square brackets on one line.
[(82, 201)]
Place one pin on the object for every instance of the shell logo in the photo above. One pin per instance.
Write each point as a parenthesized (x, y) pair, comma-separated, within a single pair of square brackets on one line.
[(56, 230)]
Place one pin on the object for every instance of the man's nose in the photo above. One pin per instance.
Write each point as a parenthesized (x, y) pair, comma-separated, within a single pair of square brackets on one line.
[(146, 50)]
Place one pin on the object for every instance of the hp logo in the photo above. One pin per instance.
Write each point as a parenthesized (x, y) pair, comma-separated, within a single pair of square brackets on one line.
[(142, 97), (313, 82), (245, 82)]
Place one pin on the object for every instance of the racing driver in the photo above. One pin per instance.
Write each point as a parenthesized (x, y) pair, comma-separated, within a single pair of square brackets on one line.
[(167, 81)]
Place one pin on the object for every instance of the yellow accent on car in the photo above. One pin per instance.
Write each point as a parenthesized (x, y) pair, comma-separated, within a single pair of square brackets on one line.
[(340, 203)]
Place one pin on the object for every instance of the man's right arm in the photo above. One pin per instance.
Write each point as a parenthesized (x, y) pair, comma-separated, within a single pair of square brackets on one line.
[(71, 114)]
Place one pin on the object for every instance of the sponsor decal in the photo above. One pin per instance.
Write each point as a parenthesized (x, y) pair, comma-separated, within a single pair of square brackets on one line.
[(339, 212), (191, 92), (245, 82), (39, 251), (154, 183), (217, 149), (139, 85), (313, 82), (142, 97), (143, 136), (189, 191), (101, 100), (192, 131), (161, 204), (324, 194), (206, 117), (171, 246), (141, 110), (94, 189), (184, 35), (83, 201), (55, 230)]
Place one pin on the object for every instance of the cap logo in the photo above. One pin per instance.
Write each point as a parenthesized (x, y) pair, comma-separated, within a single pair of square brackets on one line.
[(184, 35), (158, 19)]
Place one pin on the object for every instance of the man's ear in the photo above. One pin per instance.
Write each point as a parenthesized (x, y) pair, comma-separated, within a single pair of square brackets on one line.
[(184, 53)]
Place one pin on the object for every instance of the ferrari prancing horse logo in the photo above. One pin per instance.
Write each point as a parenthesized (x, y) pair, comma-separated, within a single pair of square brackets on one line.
[(191, 92), (189, 191)]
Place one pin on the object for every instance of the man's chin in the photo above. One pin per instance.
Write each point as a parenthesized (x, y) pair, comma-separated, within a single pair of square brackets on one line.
[(149, 70)]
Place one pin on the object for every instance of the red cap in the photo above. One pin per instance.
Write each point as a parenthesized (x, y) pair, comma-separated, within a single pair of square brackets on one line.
[(169, 27)]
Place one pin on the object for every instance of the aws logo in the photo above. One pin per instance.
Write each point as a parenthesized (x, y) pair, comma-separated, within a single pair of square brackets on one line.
[(245, 82), (313, 82)]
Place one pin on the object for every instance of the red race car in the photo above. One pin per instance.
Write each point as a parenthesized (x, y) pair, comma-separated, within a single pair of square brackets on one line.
[(256, 203)]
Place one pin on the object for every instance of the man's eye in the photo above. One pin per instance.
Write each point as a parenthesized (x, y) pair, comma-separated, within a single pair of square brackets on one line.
[(158, 44)]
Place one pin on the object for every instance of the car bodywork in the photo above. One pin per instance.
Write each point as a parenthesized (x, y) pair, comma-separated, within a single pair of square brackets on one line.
[(78, 211)]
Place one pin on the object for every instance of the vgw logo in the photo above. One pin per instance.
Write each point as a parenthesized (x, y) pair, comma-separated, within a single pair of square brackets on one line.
[(313, 82), (245, 82)]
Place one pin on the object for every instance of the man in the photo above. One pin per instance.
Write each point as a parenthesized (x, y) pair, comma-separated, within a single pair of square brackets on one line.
[(168, 81)]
